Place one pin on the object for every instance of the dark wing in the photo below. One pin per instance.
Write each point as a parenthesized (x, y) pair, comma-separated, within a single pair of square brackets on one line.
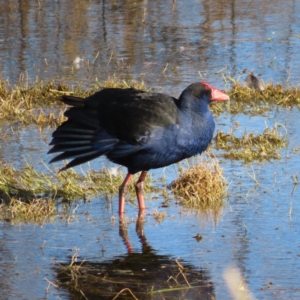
[(130, 114), (117, 122)]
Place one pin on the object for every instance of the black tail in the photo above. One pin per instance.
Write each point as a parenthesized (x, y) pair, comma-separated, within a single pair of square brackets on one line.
[(80, 137), (73, 101)]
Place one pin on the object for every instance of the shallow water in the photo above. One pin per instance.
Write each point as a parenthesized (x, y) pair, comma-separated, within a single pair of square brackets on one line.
[(258, 230), (138, 39)]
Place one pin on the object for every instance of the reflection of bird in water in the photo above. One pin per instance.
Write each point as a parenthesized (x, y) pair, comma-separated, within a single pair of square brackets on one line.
[(145, 274), (252, 81)]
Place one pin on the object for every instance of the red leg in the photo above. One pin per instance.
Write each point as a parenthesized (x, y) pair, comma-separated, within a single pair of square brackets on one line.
[(122, 193), (139, 188), (123, 231)]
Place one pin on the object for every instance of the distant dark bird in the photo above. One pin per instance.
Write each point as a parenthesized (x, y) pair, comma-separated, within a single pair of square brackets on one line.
[(139, 130), (252, 81)]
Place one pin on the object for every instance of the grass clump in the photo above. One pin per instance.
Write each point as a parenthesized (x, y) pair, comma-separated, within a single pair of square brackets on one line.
[(251, 146), (203, 186)]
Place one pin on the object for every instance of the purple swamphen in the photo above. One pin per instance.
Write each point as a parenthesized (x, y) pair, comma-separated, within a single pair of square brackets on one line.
[(136, 129)]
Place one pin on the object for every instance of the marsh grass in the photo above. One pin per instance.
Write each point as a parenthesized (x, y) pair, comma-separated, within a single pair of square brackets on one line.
[(37, 210), (274, 94), (36, 195), (202, 186), (38, 102), (244, 100), (69, 184), (251, 146), (40, 192)]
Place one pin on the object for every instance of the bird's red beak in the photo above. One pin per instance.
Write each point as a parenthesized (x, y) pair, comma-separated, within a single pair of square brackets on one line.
[(216, 95)]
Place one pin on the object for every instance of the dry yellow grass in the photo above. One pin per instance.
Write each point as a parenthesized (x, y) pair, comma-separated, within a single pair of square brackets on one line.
[(36, 210), (251, 146), (203, 186), (255, 102), (30, 195)]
